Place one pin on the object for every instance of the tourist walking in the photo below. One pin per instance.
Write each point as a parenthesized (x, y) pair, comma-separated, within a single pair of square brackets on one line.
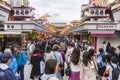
[(50, 69), (32, 48), (57, 56), (21, 61), (47, 54), (75, 64), (111, 64), (69, 51), (5, 72), (13, 65), (28, 50), (88, 67), (35, 62)]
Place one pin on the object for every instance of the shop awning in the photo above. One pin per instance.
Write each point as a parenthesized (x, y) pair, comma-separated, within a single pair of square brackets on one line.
[(102, 33), (9, 32)]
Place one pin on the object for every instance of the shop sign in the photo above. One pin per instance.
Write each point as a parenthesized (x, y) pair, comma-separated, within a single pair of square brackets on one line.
[(107, 27), (21, 12), (25, 12), (97, 12)]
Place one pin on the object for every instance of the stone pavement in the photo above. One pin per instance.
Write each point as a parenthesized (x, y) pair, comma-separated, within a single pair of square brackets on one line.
[(27, 72)]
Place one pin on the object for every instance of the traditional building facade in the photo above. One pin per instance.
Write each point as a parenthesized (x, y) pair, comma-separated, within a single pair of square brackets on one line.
[(99, 24)]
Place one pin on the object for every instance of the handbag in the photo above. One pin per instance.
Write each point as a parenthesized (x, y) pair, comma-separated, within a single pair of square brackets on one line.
[(60, 67), (68, 70)]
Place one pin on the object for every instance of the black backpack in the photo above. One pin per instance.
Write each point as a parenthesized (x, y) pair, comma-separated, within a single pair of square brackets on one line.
[(115, 72)]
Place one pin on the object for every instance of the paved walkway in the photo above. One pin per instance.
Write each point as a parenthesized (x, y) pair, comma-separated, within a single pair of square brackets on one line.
[(27, 72)]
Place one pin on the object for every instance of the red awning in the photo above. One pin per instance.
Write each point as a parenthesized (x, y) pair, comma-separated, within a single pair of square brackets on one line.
[(102, 33)]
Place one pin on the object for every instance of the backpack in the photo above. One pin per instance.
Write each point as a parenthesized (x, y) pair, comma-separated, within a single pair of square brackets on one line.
[(101, 65), (115, 72), (7, 75)]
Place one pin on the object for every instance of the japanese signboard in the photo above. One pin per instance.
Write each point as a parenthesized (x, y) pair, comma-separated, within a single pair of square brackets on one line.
[(102, 26), (98, 12), (24, 12)]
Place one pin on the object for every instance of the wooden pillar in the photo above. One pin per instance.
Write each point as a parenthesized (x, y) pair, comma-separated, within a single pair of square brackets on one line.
[(95, 44), (23, 40)]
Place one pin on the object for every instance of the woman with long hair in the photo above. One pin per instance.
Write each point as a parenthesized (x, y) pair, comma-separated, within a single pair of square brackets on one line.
[(50, 69), (35, 62), (108, 46), (88, 69), (75, 64)]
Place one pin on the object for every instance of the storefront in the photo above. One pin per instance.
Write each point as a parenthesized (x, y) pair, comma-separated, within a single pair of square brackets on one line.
[(4, 13), (18, 31), (97, 32)]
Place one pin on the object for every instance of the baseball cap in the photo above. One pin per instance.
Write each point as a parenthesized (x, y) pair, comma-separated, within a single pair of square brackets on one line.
[(5, 57)]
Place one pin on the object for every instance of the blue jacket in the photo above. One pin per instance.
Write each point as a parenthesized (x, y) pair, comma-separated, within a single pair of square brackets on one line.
[(21, 59), (13, 65), (0, 56)]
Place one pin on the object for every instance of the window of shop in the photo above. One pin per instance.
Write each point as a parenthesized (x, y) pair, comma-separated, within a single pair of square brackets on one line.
[(12, 26), (8, 26)]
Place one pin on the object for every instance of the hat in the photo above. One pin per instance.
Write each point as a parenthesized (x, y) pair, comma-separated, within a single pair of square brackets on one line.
[(55, 45), (5, 57)]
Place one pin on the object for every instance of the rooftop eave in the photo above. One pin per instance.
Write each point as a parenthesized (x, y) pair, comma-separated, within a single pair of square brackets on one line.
[(5, 7), (88, 22)]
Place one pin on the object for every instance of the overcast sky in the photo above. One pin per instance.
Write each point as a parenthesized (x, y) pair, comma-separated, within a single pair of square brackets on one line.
[(62, 10)]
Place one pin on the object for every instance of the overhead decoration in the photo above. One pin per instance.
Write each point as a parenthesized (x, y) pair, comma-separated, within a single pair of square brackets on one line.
[(51, 27), (66, 27), (96, 3), (75, 22), (44, 17), (117, 4)]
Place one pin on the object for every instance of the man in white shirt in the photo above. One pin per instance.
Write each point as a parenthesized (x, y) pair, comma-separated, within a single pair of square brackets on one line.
[(69, 51), (31, 49)]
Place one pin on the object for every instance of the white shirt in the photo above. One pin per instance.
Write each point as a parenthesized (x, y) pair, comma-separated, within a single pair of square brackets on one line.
[(28, 48), (75, 68), (68, 53), (109, 68), (32, 48), (53, 78)]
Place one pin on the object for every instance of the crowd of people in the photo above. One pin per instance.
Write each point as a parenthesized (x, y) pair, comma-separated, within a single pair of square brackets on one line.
[(12, 64), (56, 59)]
